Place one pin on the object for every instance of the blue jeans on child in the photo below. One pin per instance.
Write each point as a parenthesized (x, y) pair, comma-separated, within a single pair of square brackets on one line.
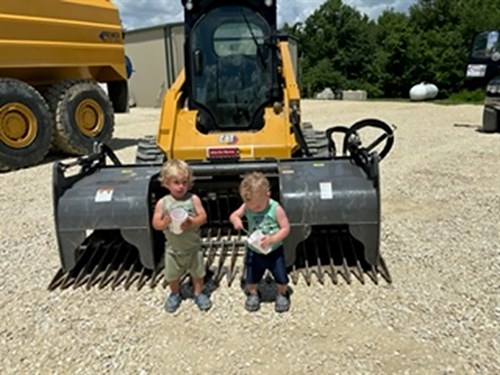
[(258, 263)]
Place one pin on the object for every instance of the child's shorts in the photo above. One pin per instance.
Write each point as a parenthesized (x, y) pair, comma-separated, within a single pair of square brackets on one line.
[(258, 263), (178, 263)]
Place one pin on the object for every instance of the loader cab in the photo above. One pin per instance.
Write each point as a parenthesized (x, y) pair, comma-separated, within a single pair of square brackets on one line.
[(231, 63)]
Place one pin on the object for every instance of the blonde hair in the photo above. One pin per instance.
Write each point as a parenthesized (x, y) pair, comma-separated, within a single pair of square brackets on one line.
[(253, 184), (175, 167)]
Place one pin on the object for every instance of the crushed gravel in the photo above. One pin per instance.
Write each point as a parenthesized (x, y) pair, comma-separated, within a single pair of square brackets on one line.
[(440, 239)]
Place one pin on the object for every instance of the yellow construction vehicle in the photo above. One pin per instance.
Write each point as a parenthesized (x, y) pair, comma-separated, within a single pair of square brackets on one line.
[(53, 53), (235, 108)]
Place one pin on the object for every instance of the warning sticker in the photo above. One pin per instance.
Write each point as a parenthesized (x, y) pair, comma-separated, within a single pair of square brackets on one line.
[(325, 190), (104, 195)]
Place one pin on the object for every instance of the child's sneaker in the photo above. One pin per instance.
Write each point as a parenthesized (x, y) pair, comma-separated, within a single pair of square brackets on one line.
[(173, 302), (203, 302), (252, 303), (281, 304)]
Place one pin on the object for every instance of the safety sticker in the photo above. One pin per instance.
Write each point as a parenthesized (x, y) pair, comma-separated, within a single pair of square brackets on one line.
[(325, 190), (104, 195)]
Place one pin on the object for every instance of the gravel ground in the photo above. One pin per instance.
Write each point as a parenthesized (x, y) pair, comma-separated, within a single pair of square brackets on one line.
[(440, 240)]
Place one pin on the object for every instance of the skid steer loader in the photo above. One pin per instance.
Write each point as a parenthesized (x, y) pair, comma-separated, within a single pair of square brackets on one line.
[(235, 108)]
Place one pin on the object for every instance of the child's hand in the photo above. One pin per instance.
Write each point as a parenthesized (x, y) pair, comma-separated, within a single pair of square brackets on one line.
[(266, 241), (237, 223), (166, 218), (186, 224)]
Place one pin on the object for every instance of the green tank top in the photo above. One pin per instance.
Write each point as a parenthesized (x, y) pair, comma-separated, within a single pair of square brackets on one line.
[(265, 220), (189, 239)]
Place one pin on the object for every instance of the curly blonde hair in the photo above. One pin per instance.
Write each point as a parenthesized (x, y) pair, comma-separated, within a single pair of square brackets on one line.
[(174, 168), (252, 184)]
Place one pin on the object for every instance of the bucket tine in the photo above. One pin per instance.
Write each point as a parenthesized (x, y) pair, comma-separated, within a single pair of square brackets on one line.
[(98, 269), (57, 280), (121, 269), (106, 277), (384, 271), (294, 275), (155, 279), (232, 271), (222, 257), (319, 271), (357, 271), (333, 270)]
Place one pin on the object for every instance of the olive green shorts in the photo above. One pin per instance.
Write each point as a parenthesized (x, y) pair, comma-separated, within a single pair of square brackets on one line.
[(179, 263)]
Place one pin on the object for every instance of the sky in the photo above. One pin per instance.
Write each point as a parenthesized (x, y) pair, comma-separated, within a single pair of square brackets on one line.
[(136, 14)]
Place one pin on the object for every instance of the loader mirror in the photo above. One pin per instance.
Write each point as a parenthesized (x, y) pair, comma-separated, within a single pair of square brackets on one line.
[(197, 61)]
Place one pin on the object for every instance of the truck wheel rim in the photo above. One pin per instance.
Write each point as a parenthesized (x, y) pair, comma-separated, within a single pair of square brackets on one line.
[(89, 117), (18, 125)]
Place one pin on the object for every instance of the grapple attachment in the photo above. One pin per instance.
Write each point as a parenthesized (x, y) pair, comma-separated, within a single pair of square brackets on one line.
[(103, 216)]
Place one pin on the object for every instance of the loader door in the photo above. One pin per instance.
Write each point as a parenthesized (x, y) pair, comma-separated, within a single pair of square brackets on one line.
[(231, 67)]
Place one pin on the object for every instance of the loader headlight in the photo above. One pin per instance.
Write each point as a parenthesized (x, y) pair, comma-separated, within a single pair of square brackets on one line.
[(268, 2), (189, 5)]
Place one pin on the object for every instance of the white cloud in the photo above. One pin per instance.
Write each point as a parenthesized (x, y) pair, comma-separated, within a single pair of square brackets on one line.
[(144, 13)]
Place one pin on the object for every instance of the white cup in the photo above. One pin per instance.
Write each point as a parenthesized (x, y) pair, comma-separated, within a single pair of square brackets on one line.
[(255, 239), (178, 216)]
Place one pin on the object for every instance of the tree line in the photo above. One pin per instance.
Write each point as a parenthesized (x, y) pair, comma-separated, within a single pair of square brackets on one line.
[(344, 49)]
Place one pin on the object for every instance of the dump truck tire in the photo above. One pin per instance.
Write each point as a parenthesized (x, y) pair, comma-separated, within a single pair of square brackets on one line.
[(148, 151), (83, 114), (26, 128)]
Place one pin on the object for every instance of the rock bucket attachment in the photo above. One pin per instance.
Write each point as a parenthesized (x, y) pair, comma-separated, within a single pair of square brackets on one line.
[(103, 216)]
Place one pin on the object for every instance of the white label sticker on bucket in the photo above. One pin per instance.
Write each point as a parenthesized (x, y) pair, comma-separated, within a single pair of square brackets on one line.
[(103, 195), (325, 190)]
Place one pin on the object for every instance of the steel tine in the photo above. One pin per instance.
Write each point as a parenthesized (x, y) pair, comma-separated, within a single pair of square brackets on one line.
[(121, 269), (384, 271), (108, 272), (57, 280), (357, 271), (333, 269)]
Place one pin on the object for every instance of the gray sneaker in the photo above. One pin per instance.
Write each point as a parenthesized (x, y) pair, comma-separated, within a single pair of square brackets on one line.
[(252, 303), (281, 304), (173, 302), (203, 302)]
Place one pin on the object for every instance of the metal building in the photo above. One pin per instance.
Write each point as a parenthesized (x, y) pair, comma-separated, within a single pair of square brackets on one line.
[(157, 57)]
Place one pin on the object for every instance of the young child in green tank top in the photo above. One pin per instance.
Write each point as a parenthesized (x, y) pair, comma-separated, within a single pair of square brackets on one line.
[(183, 250), (267, 216)]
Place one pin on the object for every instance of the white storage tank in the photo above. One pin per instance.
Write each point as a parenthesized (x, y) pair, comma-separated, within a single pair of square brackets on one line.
[(423, 91)]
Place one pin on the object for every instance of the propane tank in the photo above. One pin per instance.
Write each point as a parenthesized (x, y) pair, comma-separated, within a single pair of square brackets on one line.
[(423, 91)]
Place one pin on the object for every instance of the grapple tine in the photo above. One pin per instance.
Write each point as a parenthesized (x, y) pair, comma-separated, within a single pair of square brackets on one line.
[(372, 274), (319, 269), (333, 269), (131, 274), (121, 269), (294, 275), (222, 255), (344, 271), (384, 271), (144, 276), (155, 278), (108, 272), (232, 271), (98, 269), (57, 280), (357, 271)]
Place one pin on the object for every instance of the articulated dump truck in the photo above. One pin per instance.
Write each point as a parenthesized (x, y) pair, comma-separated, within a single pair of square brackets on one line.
[(235, 108), (53, 53)]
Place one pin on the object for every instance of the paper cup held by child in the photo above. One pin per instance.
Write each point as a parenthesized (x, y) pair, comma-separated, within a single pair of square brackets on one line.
[(178, 216), (254, 241)]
